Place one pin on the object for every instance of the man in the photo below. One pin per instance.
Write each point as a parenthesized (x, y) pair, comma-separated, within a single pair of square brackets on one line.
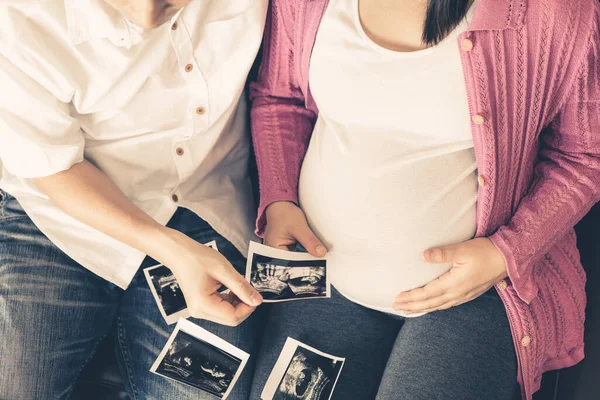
[(118, 117)]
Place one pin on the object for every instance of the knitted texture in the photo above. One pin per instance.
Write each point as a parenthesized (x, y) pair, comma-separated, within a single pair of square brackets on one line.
[(533, 74)]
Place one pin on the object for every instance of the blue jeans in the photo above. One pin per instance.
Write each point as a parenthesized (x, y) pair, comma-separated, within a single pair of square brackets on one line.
[(54, 312), (463, 353)]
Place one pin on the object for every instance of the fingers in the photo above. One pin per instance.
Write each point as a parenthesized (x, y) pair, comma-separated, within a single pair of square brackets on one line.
[(305, 236), (279, 246), (224, 309), (442, 307), (441, 255), (272, 239), (286, 225), (449, 304), (435, 288), (421, 306), (444, 301), (438, 292), (236, 283)]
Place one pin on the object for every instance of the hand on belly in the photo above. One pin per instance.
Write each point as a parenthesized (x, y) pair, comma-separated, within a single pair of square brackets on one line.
[(287, 226), (477, 265)]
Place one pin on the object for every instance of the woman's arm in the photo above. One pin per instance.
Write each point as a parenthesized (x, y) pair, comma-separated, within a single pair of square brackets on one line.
[(281, 124), (567, 178), (566, 185)]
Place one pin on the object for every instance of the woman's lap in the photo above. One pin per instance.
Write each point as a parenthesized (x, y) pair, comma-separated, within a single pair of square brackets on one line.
[(461, 353), (335, 326)]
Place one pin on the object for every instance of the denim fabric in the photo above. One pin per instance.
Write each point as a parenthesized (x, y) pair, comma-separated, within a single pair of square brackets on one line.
[(464, 353), (54, 312)]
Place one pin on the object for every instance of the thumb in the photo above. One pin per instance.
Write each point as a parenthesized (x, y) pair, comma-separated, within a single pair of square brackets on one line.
[(440, 255), (280, 246), (239, 286), (309, 240)]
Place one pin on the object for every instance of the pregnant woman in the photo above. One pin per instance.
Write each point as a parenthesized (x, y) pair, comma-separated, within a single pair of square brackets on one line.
[(441, 153)]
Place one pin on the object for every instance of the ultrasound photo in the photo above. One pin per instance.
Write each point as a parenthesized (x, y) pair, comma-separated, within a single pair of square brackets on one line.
[(302, 372), (167, 293), (283, 275), (198, 358)]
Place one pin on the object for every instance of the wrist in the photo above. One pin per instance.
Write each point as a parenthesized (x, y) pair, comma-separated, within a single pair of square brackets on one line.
[(162, 242), (277, 207)]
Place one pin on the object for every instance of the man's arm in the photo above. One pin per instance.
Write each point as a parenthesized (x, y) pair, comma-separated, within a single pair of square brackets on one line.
[(41, 141), (88, 195)]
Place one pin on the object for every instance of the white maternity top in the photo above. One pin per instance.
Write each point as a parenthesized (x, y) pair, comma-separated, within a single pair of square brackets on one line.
[(390, 170)]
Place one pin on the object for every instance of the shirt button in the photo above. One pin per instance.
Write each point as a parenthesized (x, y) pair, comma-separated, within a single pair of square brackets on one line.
[(526, 341), (466, 45), (179, 151), (174, 26), (481, 180), (189, 68), (502, 284), (478, 119), (200, 110), (175, 198)]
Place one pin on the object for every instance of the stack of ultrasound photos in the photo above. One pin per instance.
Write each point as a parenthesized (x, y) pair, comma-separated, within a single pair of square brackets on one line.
[(196, 357)]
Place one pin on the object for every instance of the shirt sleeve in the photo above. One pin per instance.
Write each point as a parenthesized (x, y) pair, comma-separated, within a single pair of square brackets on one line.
[(567, 178), (38, 136)]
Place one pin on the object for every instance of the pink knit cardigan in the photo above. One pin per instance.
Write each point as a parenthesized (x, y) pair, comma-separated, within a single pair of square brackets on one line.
[(533, 74)]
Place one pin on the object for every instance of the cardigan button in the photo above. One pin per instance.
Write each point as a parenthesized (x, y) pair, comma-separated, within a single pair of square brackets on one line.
[(478, 119), (526, 341), (502, 285), (481, 180), (466, 45)]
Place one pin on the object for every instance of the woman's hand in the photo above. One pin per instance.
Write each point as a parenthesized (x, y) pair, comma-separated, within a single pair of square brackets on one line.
[(477, 266), (200, 272), (287, 225)]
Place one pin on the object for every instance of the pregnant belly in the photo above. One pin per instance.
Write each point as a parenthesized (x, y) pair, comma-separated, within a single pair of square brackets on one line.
[(376, 224)]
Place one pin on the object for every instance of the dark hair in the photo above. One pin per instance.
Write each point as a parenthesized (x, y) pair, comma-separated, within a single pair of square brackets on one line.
[(442, 17)]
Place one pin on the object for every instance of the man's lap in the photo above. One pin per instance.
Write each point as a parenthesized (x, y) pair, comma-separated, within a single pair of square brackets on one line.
[(142, 335), (43, 295), (54, 313)]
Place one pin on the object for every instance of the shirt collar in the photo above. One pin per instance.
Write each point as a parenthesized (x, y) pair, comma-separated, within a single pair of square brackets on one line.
[(94, 19), (498, 15)]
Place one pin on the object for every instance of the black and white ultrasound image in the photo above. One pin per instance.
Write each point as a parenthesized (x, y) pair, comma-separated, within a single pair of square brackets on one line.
[(199, 364), (309, 376), (278, 279), (168, 290)]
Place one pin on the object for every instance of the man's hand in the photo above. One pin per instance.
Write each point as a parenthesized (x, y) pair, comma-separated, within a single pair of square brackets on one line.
[(477, 266), (200, 271), (287, 225), (88, 195)]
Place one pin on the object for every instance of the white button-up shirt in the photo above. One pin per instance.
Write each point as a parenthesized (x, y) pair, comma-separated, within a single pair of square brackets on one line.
[(161, 112)]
